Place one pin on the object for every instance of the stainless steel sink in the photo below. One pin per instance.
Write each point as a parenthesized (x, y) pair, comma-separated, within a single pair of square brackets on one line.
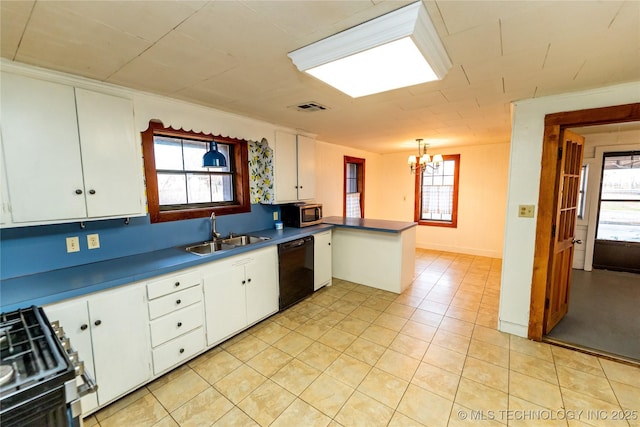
[(243, 240), (207, 248), (213, 246)]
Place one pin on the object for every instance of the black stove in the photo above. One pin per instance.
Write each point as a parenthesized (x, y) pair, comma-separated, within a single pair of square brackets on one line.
[(37, 376)]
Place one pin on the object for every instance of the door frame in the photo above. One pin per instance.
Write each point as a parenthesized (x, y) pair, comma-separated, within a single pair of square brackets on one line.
[(361, 162), (549, 175)]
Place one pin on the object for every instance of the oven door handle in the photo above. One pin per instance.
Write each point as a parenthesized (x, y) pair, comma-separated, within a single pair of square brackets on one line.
[(89, 384)]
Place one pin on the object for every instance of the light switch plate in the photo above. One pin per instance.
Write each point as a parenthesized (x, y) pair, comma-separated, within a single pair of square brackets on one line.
[(93, 241), (73, 244), (275, 216), (526, 211)]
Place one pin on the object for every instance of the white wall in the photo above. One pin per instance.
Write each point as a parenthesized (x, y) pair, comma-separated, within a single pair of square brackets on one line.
[(524, 182), (481, 200), (330, 179)]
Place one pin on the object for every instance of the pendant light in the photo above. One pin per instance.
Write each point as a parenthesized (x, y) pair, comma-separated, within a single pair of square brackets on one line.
[(423, 160), (213, 158)]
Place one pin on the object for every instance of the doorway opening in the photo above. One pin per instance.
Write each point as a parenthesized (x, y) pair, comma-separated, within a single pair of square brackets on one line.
[(353, 199), (617, 243), (543, 278), (601, 316)]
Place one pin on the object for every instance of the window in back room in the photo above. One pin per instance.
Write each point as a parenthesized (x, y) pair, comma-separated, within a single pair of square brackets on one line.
[(353, 200)]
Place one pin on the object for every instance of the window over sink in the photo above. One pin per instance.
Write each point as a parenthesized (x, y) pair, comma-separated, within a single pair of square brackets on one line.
[(178, 187)]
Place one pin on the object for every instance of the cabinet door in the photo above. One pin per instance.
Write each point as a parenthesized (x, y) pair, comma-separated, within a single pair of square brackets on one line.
[(262, 284), (121, 347), (110, 155), (285, 168), (224, 298), (4, 190), (74, 319), (41, 147), (322, 255), (306, 168)]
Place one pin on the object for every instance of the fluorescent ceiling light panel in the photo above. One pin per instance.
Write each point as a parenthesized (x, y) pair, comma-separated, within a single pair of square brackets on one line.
[(395, 50)]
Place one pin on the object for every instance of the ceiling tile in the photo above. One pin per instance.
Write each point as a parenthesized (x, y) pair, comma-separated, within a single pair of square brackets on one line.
[(174, 67), (568, 21), (13, 20), (58, 39), (148, 20), (461, 16)]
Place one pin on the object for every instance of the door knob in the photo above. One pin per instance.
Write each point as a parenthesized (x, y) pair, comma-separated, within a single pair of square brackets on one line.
[(577, 241)]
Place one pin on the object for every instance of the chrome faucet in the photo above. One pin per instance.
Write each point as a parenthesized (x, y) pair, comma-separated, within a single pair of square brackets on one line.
[(214, 234)]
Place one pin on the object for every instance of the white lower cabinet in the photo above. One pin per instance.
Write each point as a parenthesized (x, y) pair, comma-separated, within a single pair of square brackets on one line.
[(176, 318), (111, 329), (239, 291), (322, 260), (134, 333), (74, 318)]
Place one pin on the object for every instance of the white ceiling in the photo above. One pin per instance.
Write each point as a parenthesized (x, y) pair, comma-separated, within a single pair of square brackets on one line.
[(232, 55)]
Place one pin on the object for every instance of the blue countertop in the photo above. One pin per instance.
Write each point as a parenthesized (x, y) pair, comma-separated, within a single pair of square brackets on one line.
[(370, 224), (58, 285)]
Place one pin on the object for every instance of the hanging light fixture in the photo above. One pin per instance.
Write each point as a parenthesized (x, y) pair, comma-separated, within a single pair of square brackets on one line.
[(423, 160), (213, 158)]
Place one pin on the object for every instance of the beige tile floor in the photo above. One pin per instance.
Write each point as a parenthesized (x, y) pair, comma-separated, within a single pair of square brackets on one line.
[(352, 355)]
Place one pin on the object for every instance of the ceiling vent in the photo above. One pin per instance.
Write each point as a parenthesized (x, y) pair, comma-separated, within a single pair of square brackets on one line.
[(310, 107)]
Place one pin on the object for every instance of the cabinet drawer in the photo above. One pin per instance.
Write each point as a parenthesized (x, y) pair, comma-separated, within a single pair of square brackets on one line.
[(171, 284), (175, 324), (175, 301), (177, 350)]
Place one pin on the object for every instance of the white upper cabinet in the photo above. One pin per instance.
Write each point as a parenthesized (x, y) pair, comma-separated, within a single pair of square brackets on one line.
[(110, 155), (70, 154), (294, 168), (306, 168), (42, 154)]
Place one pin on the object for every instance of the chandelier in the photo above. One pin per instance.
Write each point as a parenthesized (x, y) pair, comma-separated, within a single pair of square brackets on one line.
[(423, 160)]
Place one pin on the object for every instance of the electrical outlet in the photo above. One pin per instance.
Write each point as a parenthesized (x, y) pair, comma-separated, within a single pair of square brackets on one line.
[(93, 241), (275, 216), (73, 244), (526, 211)]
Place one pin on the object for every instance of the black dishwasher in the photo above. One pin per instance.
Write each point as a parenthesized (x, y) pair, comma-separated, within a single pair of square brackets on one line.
[(296, 270)]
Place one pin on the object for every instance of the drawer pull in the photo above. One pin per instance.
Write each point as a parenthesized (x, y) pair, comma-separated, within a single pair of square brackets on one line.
[(98, 322), (178, 301), (249, 280), (181, 350), (244, 281), (179, 324), (84, 327), (177, 284)]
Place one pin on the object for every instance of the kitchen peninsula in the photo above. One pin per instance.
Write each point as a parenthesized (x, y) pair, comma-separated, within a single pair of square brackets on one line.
[(379, 253)]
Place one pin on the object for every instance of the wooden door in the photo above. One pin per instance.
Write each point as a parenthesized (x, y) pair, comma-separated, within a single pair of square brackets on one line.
[(563, 229)]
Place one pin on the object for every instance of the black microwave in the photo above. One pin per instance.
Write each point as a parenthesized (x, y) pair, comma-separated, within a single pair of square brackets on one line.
[(301, 214)]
